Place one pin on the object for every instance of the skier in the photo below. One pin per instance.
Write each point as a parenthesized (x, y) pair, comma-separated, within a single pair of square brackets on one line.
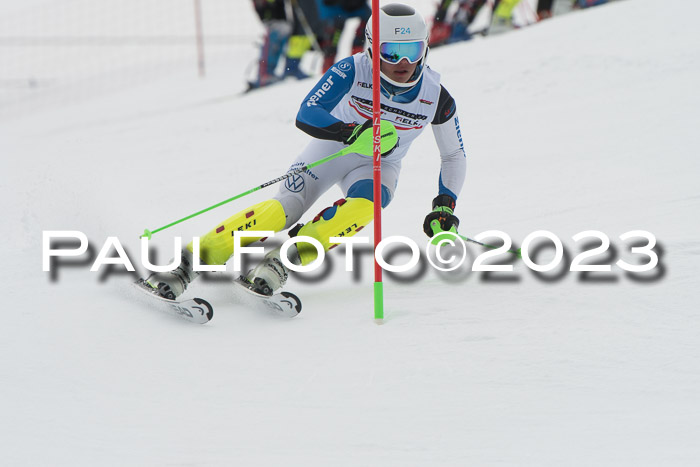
[(544, 9), (333, 14), (451, 26), (412, 97), (587, 3), (282, 31), (503, 13)]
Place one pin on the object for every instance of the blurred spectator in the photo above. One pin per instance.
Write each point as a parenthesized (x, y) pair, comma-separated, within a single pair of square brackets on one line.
[(332, 16), (453, 18), (282, 32), (587, 3), (273, 15), (544, 9), (503, 13)]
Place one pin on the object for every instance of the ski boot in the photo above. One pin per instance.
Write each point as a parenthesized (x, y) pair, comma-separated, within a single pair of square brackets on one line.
[(271, 274), (172, 284)]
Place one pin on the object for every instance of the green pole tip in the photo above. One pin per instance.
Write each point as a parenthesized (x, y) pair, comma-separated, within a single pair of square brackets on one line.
[(147, 233)]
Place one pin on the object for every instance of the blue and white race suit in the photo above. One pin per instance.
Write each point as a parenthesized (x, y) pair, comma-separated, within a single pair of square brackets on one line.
[(344, 95)]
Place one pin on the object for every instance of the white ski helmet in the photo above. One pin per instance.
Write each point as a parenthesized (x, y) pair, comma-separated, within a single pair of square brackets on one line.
[(402, 34)]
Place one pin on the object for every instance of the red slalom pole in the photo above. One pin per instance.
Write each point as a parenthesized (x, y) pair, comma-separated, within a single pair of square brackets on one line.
[(377, 163)]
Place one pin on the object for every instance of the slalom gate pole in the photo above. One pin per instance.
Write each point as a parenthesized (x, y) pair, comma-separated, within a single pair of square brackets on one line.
[(377, 164), (362, 145)]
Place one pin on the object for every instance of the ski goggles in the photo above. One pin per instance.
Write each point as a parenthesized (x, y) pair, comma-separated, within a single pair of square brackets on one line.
[(394, 52)]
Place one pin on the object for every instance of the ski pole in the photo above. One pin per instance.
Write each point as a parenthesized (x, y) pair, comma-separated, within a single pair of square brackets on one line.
[(439, 234), (362, 145)]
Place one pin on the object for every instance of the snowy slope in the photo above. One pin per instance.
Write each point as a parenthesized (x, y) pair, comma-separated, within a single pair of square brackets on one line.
[(584, 122)]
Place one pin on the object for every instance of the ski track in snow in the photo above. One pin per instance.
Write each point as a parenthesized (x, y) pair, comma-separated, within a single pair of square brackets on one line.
[(586, 121)]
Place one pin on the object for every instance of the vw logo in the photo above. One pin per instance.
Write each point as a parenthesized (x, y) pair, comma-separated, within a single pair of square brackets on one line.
[(295, 184)]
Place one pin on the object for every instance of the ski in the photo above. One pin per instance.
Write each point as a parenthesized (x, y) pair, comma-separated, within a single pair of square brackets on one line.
[(254, 86), (283, 303), (195, 310)]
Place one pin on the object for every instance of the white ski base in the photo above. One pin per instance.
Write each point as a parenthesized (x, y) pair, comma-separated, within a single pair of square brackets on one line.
[(282, 303), (195, 310)]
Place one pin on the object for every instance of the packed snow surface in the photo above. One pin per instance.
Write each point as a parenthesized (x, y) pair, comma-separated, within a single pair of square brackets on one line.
[(584, 122)]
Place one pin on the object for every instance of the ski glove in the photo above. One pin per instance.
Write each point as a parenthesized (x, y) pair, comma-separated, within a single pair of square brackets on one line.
[(349, 133), (443, 211)]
